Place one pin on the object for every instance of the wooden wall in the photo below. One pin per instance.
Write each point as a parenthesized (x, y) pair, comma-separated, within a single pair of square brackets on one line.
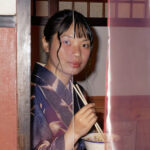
[(8, 89), (15, 75)]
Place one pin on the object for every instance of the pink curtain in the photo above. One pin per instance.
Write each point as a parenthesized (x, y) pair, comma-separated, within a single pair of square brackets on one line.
[(127, 117)]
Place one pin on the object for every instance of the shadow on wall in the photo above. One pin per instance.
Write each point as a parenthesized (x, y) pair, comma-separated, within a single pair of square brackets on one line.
[(91, 65)]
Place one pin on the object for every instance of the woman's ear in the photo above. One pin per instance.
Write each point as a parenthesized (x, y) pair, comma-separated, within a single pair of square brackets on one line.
[(45, 44)]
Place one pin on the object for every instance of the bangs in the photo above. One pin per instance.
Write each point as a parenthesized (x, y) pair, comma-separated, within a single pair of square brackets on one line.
[(80, 31)]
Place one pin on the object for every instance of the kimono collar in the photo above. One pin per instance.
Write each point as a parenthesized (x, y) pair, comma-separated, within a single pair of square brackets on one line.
[(44, 77)]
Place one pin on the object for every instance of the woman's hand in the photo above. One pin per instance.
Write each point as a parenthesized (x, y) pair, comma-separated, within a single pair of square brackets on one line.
[(82, 122)]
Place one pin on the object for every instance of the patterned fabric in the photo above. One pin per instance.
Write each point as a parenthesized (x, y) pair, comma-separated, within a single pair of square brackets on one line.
[(51, 110)]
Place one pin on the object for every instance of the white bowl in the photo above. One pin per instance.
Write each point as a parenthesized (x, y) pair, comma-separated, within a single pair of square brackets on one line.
[(91, 142)]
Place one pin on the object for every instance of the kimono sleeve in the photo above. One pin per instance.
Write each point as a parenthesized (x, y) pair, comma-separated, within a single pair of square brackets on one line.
[(41, 135)]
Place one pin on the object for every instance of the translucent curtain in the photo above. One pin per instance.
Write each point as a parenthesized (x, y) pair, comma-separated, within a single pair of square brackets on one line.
[(127, 117)]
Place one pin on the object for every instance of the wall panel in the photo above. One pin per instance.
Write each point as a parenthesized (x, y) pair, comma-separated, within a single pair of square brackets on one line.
[(8, 98)]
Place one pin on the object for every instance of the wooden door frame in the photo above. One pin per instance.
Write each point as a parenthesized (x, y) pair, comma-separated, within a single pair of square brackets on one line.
[(22, 22), (23, 72)]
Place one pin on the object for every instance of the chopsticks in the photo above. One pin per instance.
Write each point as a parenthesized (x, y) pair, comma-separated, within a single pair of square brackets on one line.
[(80, 94)]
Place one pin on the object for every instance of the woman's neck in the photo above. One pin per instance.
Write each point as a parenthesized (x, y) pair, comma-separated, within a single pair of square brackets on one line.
[(59, 74)]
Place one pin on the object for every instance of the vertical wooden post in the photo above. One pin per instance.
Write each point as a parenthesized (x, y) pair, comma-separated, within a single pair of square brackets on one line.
[(88, 9), (23, 72), (52, 7)]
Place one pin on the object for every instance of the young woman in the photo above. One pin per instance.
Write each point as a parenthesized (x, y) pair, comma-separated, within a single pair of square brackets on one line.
[(55, 126)]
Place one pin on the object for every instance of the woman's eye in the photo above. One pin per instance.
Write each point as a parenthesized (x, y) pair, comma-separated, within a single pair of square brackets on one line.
[(66, 42), (85, 45)]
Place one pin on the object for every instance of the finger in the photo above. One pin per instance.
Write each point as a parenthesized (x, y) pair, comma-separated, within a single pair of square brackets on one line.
[(92, 116), (86, 116), (87, 120), (86, 107), (89, 111), (92, 121)]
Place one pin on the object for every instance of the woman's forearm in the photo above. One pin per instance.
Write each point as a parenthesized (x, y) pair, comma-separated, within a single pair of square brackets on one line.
[(70, 139)]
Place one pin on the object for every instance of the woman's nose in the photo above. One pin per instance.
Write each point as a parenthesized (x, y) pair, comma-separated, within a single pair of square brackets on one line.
[(77, 51), (77, 54)]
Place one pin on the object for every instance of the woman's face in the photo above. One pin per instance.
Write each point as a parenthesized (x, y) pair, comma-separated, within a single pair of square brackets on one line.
[(73, 54)]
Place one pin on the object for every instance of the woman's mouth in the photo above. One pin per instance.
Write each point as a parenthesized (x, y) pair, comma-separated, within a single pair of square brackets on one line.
[(75, 64)]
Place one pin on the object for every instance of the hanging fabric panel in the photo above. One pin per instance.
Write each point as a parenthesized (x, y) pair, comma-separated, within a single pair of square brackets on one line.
[(127, 119)]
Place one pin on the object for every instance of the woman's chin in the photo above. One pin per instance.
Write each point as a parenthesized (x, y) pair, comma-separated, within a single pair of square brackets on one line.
[(75, 71), (72, 71)]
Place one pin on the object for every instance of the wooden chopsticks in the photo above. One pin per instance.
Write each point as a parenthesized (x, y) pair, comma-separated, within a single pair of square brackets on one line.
[(80, 94)]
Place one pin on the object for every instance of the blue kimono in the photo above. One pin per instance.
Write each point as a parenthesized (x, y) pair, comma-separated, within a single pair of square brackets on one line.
[(51, 110)]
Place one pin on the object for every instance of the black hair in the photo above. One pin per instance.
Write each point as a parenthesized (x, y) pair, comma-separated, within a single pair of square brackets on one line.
[(61, 21)]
